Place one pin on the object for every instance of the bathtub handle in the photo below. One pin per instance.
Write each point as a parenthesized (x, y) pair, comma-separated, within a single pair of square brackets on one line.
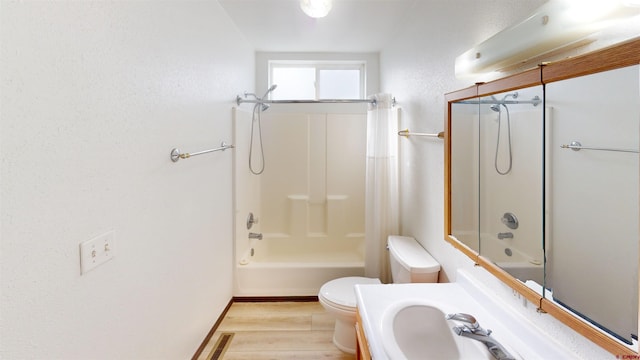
[(251, 219), (255, 236), (510, 220)]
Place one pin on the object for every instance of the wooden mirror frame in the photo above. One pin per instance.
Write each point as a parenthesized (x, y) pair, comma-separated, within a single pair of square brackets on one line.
[(610, 58)]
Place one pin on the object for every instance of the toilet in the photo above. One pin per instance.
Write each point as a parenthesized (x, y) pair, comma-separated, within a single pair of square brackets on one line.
[(410, 263)]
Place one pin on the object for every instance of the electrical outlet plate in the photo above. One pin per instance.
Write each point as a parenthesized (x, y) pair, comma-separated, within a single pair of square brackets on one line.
[(96, 251)]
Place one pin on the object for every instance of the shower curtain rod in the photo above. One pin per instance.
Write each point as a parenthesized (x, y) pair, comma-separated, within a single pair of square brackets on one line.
[(535, 102), (240, 100)]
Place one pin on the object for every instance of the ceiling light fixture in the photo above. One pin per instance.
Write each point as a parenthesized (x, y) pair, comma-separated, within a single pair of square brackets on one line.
[(316, 8)]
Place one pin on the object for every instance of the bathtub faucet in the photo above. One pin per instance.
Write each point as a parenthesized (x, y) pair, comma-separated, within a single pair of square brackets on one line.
[(472, 330), (505, 235), (255, 236)]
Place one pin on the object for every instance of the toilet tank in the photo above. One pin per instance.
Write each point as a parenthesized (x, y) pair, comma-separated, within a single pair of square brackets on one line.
[(410, 262)]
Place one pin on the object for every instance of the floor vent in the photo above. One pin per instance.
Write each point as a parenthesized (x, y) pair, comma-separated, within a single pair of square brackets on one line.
[(221, 346)]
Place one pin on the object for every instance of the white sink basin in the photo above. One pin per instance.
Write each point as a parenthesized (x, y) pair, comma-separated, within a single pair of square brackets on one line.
[(417, 329)]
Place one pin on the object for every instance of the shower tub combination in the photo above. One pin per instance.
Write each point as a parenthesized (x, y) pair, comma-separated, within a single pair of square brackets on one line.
[(504, 254), (308, 204), (519, 264), (291, 267)]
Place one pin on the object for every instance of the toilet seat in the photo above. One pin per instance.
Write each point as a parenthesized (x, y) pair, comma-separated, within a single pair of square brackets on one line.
[(339, 293)]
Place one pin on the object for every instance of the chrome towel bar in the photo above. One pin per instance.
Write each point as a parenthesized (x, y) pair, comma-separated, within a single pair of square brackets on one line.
[(407, 133), (176, 155), (577, 146)]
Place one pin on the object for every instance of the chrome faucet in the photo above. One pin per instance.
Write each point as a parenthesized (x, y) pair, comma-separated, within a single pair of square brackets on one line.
[(469, 320), (505, 235), (471, 329), (255, 236)]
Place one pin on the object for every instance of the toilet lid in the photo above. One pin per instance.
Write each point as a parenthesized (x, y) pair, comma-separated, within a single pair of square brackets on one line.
[(340, 291)]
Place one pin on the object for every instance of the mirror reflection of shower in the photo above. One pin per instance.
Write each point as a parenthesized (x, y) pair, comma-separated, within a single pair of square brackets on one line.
[(497, 107), (258, 108)]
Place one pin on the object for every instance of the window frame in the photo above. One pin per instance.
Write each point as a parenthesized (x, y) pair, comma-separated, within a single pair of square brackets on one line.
[(320, 65)]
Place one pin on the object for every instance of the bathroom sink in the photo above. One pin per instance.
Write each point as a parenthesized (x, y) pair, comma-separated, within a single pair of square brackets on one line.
[(417, 329)]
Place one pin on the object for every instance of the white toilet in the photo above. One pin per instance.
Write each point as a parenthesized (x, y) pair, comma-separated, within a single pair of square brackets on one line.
[(409, 261)]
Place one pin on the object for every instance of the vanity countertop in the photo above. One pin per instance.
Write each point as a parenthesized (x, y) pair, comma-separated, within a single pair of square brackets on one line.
[(511, 329)]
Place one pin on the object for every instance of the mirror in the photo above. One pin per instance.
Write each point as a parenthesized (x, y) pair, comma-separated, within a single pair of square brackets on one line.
[(465, 177), (511, 178), (496, 179), (592, 198), (543, 198)]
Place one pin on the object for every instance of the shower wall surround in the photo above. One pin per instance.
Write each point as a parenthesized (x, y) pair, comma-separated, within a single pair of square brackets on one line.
[(313, 184), (309, 201)]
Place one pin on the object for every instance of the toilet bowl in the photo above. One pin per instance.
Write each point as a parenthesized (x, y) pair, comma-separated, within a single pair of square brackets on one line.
[(339, 299), (409, 261)]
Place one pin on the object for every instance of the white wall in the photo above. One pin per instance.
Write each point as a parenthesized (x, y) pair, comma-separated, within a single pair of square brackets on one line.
[(94, 96), (418, 68)]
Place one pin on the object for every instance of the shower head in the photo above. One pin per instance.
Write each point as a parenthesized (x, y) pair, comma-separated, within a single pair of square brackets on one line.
[(264, 107), (495, 107), (270, 89)]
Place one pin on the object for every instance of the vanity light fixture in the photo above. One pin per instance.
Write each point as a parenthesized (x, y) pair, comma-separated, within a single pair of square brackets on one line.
[(316, 8), (556, 25)]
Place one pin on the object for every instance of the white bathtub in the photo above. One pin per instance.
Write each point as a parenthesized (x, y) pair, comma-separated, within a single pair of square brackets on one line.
[(296, 267), (520, 265)]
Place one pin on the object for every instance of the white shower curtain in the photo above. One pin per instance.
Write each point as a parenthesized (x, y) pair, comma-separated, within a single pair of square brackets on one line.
[(381, 199)]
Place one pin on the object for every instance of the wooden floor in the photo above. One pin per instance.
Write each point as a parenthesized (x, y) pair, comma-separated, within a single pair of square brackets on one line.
[(275, 330)]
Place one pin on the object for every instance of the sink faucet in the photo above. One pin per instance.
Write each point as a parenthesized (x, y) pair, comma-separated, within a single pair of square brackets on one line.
[(472, 330)]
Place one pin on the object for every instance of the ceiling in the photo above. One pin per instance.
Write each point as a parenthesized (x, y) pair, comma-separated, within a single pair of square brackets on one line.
[(351, 26)]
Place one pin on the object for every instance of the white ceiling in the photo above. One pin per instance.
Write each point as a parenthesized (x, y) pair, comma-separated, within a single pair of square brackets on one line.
[(351, 26)]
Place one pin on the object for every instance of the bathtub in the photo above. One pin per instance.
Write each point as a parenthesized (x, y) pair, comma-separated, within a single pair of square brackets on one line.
[(309, 202), (519, 264), (283, 266)]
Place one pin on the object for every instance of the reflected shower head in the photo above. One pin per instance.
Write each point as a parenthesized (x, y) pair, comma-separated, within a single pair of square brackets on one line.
[(495, 107)]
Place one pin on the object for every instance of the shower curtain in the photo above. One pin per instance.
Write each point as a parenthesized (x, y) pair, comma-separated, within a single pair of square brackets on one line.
[(381, 199)]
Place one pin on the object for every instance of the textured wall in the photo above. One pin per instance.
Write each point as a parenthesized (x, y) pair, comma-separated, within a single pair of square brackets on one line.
[(418, 68), (94, 96)]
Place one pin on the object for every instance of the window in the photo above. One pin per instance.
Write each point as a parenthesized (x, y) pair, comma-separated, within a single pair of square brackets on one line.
[(304, 80)]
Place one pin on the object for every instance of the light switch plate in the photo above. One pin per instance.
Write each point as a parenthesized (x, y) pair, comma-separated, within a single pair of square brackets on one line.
[(96, 251)]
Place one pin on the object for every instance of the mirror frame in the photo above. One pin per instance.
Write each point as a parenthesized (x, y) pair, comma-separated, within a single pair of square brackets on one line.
[(617, 56)]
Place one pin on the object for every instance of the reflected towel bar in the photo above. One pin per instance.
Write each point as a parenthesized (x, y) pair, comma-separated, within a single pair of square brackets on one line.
[(176, 155), (407, 133), (576, 146)]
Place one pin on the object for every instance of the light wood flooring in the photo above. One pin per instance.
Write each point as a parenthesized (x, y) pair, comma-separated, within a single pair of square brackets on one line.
[(276, 330)]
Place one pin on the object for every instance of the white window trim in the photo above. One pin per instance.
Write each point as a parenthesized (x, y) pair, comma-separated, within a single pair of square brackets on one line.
[(361, 66)]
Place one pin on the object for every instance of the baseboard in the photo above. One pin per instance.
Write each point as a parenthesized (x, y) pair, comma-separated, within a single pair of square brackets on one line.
[(274, 298), (213, 330)]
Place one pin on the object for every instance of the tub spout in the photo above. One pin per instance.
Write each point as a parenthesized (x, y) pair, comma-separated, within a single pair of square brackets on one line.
[(255, 236), (505, 235)]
